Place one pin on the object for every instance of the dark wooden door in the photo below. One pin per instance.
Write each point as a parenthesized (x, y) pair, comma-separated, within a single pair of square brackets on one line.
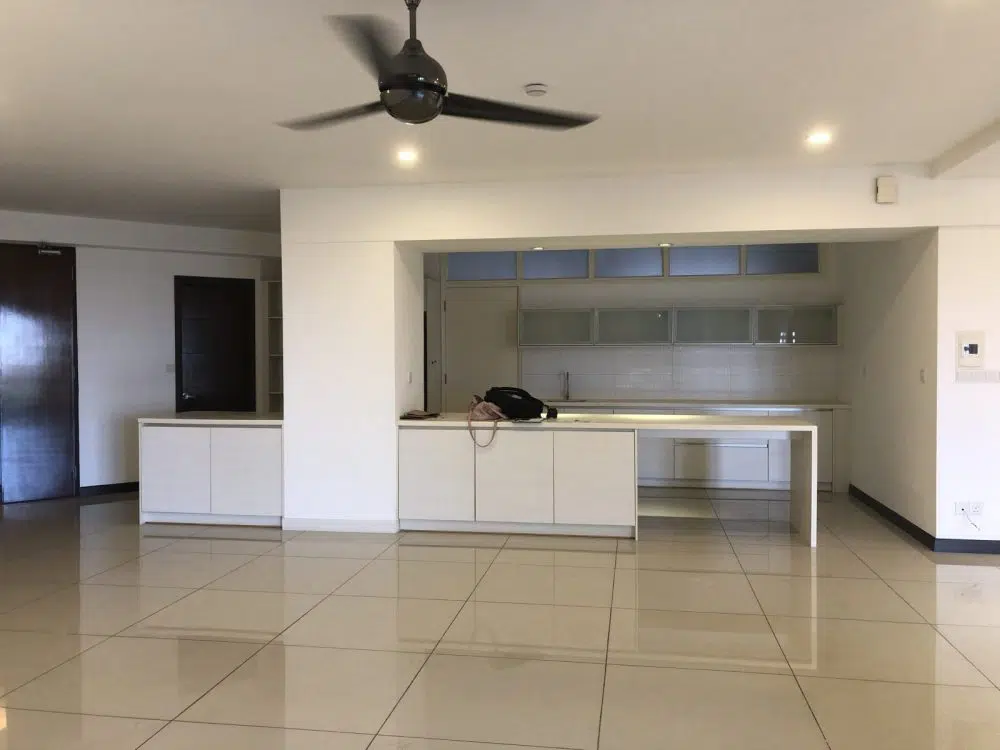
[(216, 344), (38, 415)]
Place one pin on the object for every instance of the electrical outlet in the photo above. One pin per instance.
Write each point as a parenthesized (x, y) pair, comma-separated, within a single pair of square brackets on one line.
[(969, 509), (975, 509), (961, 509)]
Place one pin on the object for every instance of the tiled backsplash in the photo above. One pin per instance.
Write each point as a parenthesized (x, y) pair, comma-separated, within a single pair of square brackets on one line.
[(709, 372)]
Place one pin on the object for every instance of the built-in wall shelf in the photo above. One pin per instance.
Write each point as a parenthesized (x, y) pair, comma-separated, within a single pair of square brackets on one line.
[(275, 350), (772, 325)]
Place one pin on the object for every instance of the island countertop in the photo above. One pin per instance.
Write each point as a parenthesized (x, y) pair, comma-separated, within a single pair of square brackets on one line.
[(619, 422)]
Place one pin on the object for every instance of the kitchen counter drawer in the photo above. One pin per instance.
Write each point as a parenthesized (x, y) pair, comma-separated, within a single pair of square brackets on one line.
[(721, 461)]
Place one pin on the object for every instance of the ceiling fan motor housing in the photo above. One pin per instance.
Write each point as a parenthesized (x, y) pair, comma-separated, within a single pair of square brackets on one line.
[(414, 86)]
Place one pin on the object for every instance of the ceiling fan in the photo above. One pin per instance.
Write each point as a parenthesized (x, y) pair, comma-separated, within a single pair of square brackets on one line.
[(413, 87)]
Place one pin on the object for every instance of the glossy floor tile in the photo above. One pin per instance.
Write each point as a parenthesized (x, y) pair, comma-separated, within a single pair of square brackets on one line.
[(864, 650), (654, 708), (140, 678), (537, 584), (91, 609), (41, 730), (414, 579), (851, 598), (291, 575), (181, 735), (381, 624), (529, 631), (980, 645), (705, 633), (311, 688), (247, 616), (504, 701), (694, 640), (684, 592), (26, 655), (883, 716), (171, 569), (943, 603)]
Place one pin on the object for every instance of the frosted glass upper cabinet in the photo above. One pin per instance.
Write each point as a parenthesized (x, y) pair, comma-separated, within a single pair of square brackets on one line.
[(628, 262), (777, 259), (715, 260), (797, 325), (620, 327), (555, 264), (556, 328), (713, 325), (493, 266)]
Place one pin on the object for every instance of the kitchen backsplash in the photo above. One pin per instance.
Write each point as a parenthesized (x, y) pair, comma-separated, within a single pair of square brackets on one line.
[(708, 372)]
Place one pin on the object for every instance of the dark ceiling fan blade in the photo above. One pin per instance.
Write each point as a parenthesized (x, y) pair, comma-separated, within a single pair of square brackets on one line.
[(371, 39), (332, 118), (457, 105)]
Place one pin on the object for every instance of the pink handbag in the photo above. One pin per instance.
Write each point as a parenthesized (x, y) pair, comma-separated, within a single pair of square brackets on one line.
[(484, 411)]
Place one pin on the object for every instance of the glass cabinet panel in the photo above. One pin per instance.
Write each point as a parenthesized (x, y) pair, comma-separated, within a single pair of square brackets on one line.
[(500, 266), (774, 259), (555, 264), (713, 325), (631, 262), (555, 327), (797, 325), (633, 327), (704, 261)]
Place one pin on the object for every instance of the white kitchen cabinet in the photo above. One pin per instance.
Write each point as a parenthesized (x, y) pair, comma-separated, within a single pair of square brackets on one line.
[(246, 471), (594, 478), (175, 469), (721, 461), (437, 475), (514, 477)]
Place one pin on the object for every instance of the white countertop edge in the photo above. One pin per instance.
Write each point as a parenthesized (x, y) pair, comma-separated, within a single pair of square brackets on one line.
[(253, 420), (627, 423), (695, 404)]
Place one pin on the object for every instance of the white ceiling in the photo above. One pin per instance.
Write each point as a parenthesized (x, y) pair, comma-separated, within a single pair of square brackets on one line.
[(163, 110)]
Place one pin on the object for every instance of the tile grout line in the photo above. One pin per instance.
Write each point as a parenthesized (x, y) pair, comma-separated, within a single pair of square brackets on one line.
[(607, 645), (444, 632), (778, 643)]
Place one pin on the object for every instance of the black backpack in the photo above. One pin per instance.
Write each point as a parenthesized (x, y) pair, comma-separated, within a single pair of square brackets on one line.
[(517, 403)]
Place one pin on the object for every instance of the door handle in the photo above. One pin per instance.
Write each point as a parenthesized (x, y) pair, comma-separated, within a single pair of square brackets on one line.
[(186, 396)]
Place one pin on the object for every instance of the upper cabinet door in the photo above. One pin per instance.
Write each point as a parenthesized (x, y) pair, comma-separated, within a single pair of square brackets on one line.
[(633, 327), (556, 327), (713, 325), (797, 325)]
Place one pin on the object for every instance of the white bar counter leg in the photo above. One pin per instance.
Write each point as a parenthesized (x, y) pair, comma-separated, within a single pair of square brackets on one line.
[(804, 471)]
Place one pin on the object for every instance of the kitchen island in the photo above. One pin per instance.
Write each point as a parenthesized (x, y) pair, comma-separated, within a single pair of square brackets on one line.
[(209, 468), (573, 475)]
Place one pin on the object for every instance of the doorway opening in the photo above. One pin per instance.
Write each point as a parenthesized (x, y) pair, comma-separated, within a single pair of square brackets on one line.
[(39, 431), (215, 339)]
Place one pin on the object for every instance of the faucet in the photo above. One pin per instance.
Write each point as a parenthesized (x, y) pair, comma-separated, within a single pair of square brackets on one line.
[(564, 376)]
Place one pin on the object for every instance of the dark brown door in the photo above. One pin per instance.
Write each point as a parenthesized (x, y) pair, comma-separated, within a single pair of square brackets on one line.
[(38, 427), (216, 344)]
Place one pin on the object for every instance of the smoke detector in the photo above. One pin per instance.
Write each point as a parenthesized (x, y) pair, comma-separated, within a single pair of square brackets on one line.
[(536, 89)]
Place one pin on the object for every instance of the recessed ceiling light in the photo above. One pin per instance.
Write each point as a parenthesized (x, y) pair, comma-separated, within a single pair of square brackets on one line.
[(819, 138), (538, 247), (406, 157)]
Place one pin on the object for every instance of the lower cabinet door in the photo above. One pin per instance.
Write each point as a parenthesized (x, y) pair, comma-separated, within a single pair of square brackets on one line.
[(246, 471), (514, 477), (595, 482), (174, 469), (437, 475)]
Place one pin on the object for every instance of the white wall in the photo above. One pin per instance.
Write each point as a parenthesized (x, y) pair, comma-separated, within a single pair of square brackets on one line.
[(890, 324), (968, 414), (345, 379), (409, 329), (125, 330), (674, 205)]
